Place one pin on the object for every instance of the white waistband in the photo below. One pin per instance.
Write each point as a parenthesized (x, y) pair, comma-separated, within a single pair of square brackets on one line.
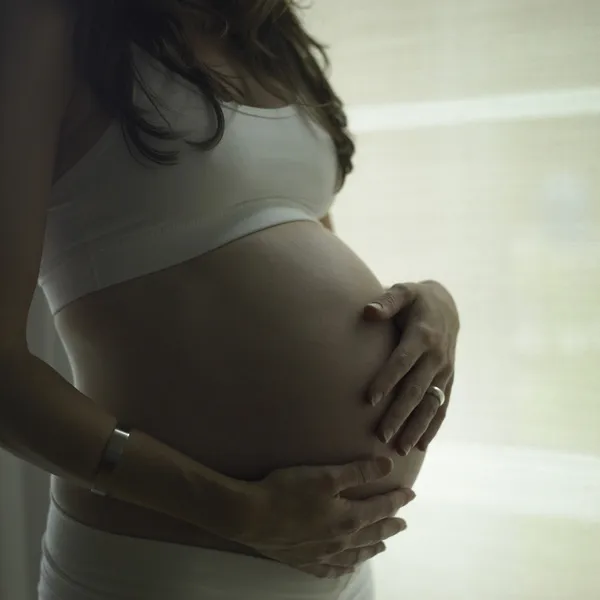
[(80, 562)]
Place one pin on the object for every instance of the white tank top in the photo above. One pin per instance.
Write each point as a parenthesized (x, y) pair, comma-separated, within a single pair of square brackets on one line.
[(112, 219)]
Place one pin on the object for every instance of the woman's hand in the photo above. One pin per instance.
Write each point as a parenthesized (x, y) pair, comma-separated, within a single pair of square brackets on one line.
[(302, 521), (427, 318)]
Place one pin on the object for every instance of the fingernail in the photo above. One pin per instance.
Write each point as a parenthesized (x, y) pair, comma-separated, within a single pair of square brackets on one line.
[(388, 434), (405, 450), (376, 398), (398, 528), (410, 496), (401, 526), (375, 305)]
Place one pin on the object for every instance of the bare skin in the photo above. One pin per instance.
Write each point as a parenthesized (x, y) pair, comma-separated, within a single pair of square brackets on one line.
[(280, 382)]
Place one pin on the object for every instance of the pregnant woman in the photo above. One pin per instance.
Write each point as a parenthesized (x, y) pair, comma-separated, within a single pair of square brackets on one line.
[(250, 407)]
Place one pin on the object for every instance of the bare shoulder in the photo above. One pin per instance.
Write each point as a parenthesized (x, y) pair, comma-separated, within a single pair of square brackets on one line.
[(36, 70)]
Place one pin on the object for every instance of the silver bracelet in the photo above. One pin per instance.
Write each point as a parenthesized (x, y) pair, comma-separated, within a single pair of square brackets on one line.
[(111, 456)]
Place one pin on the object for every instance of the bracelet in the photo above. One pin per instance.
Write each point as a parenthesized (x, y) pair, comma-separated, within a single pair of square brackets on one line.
[(111, 455)]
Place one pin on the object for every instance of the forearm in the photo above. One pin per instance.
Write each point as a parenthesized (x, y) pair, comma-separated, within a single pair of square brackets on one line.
[(49, 423)]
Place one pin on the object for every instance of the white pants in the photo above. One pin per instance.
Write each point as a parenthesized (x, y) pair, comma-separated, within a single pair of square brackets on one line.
[(82, 563)]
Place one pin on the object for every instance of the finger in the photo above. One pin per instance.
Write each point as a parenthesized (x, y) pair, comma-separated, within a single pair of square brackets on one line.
[(340, 478), (408, 399), (417, 425), (390, 302), (368, 536), (423, 417), (326, 571), (378, 509), (435, 425), (410, 350), (353, 558), (373, 534)]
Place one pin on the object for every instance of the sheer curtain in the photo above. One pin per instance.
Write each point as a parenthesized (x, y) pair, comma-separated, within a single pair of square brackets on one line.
[(478, 164)]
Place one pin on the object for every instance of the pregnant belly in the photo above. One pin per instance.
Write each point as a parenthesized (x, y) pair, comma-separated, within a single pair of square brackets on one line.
[(249, 358)]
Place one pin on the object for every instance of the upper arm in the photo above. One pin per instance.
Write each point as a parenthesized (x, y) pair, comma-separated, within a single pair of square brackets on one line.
[(35, 70)]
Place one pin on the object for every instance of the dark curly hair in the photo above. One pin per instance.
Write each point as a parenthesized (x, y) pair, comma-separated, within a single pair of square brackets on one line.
[(267, 36)]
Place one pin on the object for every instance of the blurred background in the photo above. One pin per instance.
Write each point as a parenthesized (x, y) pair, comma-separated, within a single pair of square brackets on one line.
[(478, 164)]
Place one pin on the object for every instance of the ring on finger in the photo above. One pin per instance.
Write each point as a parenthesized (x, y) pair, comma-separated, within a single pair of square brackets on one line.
[(438, 393)]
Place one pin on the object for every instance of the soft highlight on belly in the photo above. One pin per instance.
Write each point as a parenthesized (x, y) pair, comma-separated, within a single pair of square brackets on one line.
[(249, 358)]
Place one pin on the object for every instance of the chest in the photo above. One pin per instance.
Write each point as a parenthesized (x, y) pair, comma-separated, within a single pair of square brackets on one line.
[(85, 121)]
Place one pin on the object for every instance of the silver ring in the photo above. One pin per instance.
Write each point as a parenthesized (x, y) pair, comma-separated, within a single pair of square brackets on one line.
[(434, 390)]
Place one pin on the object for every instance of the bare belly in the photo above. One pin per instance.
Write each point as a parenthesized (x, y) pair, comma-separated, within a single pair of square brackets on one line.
[(250, 358)]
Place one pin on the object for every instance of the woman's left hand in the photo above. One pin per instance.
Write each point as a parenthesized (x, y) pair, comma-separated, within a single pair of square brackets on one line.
[(427, 318)]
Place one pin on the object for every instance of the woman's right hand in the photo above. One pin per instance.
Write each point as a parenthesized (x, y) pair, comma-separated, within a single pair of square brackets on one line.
[(302, 521)]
